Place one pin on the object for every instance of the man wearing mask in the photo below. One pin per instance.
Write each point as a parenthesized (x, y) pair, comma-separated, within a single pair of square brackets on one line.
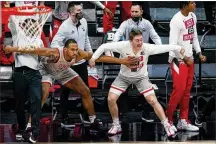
[(137, 22), (60, 14), (75, 27)]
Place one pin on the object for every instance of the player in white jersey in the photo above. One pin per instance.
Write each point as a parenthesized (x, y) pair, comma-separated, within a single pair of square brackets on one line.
[(136, 74), (183, 32), (58, 67)]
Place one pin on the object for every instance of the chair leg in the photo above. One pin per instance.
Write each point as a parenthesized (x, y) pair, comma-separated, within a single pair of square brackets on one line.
[(166, 92), (81, 118), (55, 115), (196, 90), (195, 103), (104, 80), (166, 82)]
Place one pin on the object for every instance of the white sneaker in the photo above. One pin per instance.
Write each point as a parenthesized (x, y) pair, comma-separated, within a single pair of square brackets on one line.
[(168, 128), (173, 126), (115, 138), (184, 124), (184, 136), (115, 129)]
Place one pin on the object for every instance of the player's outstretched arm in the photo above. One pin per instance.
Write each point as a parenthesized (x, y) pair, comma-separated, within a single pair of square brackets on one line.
[(83, 55), (107, 59), (37, 51), (125, 61)]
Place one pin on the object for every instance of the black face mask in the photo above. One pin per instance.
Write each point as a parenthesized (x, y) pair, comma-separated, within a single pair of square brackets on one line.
[(136, 19), (79, 16)]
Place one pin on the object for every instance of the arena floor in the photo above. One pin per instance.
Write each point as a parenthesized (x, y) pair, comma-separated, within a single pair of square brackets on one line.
[(134, 129), (136, 132)]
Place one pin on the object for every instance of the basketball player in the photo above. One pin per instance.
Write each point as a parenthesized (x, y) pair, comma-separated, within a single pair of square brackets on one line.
[(75, 27), (148, 32), (136, 74), (183, 32), (58, 67)]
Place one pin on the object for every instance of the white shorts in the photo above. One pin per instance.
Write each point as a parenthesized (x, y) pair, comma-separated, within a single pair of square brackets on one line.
[(62, 77), (121, 83)]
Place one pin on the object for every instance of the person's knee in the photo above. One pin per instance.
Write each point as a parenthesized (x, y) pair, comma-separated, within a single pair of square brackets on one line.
[(45, 95), (85, 92), (45, 91), (112, 98), (44, 98), (152, 100)]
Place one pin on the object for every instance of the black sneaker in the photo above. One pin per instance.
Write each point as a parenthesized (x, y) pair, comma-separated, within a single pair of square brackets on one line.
[(199, 120), (22, 135), (146, 118), (32, 139), (96, 125)]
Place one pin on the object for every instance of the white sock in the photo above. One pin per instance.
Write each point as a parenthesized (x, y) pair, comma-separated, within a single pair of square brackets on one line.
[(165, 122), (116, 121), (183, 120), (28, 125), (92, 118)]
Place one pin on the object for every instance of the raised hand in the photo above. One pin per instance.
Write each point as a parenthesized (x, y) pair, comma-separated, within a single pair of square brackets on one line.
[(92, 63), (7, 49), (202, 58), (130, 60), (108, 12), (188, 60), (182, 51)]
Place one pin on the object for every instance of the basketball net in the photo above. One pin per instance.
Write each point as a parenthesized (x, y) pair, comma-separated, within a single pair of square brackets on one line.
[(27, 23)]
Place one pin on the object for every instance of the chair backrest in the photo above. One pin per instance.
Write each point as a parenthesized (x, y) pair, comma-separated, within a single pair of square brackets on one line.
[(6, 73), (109, 68)]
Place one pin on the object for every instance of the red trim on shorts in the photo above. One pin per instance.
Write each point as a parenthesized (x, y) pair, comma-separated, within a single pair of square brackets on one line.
[(148, 90), (117, 88), (47, 82), (71, 80)]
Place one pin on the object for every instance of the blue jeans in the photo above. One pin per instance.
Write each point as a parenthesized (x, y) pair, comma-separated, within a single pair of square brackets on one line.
[(27, 83)]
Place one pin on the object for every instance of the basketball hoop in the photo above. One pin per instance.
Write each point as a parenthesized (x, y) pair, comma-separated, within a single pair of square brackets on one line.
[(26, 22)]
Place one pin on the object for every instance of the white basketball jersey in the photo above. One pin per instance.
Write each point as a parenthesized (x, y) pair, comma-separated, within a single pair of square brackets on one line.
[(60, 66), (125, 49)]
